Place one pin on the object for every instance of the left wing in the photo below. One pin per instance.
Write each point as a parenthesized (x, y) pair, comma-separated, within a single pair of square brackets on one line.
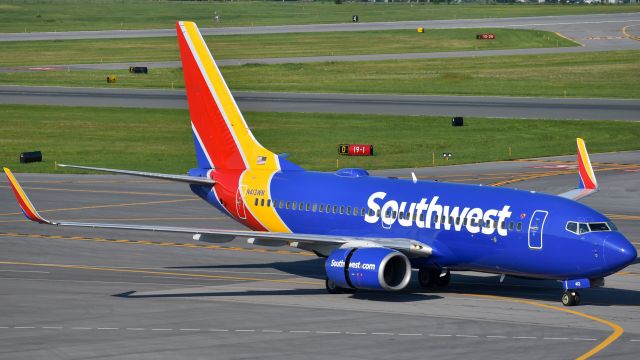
[(587, 184), (408, 246)]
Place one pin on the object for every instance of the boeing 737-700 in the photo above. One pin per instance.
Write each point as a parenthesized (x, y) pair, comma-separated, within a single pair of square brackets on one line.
[(373, 231)]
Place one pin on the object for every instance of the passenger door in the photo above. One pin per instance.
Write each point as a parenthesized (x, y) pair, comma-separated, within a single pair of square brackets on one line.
[(536, 226)]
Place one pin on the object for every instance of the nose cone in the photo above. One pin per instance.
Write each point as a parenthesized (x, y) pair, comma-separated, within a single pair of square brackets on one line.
[(618, 252)]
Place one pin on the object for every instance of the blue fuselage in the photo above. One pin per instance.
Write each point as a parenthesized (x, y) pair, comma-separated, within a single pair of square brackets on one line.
[(473, 227)]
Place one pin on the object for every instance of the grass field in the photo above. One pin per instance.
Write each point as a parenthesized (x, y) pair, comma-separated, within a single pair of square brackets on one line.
[(597, 74), (275, 45), (64, 15), (160, 140)]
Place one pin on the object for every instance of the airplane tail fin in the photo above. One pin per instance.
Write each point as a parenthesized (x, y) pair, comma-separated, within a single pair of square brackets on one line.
[(221, 135)]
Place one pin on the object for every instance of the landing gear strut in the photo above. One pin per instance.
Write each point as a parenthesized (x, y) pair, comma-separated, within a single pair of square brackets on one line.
[(570, 298), (433, 277), (331, 287)]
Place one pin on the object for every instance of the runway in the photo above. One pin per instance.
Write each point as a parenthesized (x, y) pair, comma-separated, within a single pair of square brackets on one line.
[(593, 32), (479, 106), (78, 293), (598, 25)]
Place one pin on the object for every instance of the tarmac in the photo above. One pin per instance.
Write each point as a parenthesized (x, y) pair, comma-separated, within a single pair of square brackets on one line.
[(476, 106), (83, 293)]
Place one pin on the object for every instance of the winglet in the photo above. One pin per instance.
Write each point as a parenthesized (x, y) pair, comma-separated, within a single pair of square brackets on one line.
[(25, 204), (585, 171)]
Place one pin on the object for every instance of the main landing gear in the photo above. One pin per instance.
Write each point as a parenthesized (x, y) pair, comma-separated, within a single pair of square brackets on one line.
[(428, 277), (570, 298), (332, 288)]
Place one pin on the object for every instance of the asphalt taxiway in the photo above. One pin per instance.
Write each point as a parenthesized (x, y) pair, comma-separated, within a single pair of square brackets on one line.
[(600, 32), (489, 106), (80, 293)]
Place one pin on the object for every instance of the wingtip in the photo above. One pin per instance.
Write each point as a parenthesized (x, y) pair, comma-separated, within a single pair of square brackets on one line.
[(585, 170), (23, 201)]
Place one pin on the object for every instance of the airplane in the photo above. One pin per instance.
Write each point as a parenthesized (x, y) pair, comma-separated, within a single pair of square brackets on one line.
[(372, 230)]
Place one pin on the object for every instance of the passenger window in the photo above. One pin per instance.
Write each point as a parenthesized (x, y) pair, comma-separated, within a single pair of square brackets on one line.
[(464, 222), (268, 202), (321, 208), (308, 207), (435, 219), (583, 228), (401, 215), (262, 202), (422, 216), (335, 209), (362, 211), (281, 204), (474, 222), (511, 225), (503, 225), (256, 202), (341, 209), (294, 205), (348, 210), (519, 226), (371, 212), (393, 216), (314, 208), (572, 227), (378, 212), (288, 204)]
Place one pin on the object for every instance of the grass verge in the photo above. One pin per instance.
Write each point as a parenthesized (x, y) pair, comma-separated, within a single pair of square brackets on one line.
[(275, 45), (613, 74), (65, 15), (161, 140)]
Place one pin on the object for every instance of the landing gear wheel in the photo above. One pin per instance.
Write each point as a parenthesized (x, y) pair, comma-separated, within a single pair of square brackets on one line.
[(427, 277), (442, 281), (331, 287), (570, 298)]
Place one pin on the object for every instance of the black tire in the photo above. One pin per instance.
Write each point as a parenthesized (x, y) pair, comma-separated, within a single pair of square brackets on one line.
[(442, 281), (569, 298), (426, 277), (577, 298), (331, 287)]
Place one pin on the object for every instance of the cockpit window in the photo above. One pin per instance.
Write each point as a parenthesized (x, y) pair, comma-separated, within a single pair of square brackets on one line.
[(583, 228), (572, 227), (598, 227)]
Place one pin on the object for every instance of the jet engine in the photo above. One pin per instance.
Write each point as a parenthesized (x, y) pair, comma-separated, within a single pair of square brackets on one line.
[(374, 268)]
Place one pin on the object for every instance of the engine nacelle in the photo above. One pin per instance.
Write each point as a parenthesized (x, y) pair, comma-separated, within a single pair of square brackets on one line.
[(374, 268)]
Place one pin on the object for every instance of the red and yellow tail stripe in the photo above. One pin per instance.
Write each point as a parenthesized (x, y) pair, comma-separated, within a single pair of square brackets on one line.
[(238, 159), (585, 170), (25, 204)]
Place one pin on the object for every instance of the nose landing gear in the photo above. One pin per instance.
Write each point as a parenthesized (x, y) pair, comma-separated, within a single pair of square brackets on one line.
[(570, 298)]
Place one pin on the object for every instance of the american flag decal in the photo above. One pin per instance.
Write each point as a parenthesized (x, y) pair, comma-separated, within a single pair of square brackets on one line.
[(261, 160)]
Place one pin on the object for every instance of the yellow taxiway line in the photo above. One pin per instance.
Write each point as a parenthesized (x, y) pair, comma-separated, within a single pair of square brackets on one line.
[(107, 206), (617, 329)]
